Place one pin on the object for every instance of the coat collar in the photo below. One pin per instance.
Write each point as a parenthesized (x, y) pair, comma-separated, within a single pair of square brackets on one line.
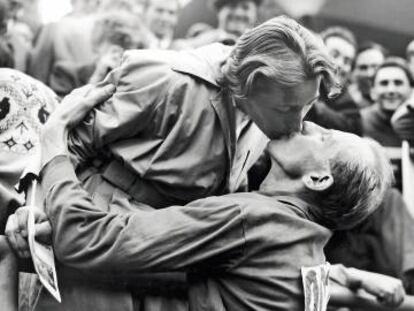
[(300, 207), (204, 63)]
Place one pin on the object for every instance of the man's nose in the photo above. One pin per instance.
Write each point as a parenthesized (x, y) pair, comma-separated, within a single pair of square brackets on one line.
[(370, 72), (391, 88), (238, 12)]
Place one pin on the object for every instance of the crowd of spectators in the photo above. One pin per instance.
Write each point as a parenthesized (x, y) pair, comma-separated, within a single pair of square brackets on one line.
[(373, 99)]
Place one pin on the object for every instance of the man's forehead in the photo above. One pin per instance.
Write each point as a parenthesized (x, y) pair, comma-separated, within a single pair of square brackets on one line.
[(390, 73), (369, 56), (337, 41), (350, 145)]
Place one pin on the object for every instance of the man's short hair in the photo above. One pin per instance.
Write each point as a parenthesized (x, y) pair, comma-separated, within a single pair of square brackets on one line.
[(282, 51), (370, 45), (219, 4), (120, 28), (340, 32), (395, 61), (358, 189)]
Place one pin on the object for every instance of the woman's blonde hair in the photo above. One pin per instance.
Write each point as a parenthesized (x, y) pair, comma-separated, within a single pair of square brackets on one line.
[(282, 51)]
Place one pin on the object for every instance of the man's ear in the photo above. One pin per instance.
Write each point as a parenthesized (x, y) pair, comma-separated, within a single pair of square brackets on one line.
[(317, 181)]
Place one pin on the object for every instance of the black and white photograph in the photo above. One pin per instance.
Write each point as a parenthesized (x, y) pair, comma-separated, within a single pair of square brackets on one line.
[(206, 155)]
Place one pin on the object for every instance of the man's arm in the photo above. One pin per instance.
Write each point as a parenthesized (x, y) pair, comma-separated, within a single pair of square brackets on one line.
[(342, 296), (389, 291), (208, 233)]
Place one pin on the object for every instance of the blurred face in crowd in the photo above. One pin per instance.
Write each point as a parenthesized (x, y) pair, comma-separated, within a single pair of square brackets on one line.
[(161, 16), (16, 9), (238, 18), (391, 88), (343, 53), (277, 110), (366, 63)]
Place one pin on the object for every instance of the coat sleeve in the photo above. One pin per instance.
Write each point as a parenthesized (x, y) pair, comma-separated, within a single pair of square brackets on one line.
[(140, 86), (204, 235)]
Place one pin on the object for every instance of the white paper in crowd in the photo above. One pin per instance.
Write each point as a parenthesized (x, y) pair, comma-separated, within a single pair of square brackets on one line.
[(316, 287), (42, 255)]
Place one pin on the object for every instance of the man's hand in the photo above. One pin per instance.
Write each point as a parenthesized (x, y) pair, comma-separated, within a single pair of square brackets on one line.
[(388, 290), (16, 230)]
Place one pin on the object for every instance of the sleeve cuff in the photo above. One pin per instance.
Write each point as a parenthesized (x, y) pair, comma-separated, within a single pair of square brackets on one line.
[(58, 169)]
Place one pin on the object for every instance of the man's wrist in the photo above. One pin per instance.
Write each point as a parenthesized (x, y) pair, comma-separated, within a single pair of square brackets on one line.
[(54, 143), (354, 278)]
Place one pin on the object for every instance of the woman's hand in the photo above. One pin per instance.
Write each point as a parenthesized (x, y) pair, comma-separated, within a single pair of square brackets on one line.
[(75, 106), (71, 111)]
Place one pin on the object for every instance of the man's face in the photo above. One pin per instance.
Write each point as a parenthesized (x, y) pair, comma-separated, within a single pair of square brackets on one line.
[(236, 19), (161, 17), (279, 111), (343, 54), (366, 64), (391, 88), (314, 149)]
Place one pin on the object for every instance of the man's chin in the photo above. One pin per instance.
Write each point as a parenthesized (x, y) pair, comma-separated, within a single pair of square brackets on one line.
[(391, 106)]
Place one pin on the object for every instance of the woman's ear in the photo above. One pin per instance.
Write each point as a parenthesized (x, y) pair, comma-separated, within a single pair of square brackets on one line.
[(317, 181)]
